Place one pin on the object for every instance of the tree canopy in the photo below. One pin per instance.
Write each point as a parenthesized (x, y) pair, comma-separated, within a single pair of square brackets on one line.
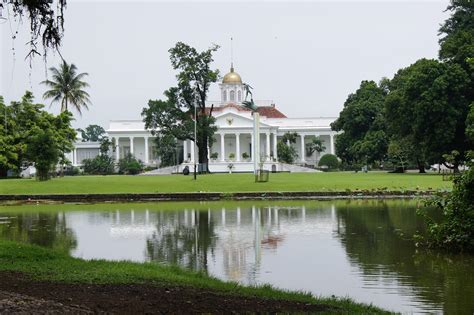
[(426, 106), (363, 124), (174, 116), (67, 87), (92, 133), (31, 134)]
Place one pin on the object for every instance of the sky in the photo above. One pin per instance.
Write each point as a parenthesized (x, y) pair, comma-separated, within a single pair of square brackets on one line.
[(305, 56)]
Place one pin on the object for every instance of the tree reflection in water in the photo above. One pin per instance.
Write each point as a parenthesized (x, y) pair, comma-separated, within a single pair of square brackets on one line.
[(44, 229), (377, 239), (184, 238)]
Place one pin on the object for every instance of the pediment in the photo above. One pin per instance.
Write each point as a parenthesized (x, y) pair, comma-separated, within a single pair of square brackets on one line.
[(230, 120)]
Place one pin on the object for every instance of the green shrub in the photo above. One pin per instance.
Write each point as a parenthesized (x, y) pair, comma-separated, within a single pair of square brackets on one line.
[(72, 171), (329, 161), (455, 231), (214, 155), (286, 154), (130, 165), (100, 165)]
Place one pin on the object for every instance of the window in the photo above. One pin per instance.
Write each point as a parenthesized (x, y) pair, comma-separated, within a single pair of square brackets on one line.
[(239, 96), (232, 95), (224, 96)]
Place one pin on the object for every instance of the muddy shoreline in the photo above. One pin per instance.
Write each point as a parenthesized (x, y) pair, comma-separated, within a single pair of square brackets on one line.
[(20, 294)]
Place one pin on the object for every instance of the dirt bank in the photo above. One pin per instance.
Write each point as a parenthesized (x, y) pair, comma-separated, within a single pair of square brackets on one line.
[(20, 294)]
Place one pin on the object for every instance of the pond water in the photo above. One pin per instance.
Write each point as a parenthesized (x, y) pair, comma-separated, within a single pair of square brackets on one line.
[(359, 249)]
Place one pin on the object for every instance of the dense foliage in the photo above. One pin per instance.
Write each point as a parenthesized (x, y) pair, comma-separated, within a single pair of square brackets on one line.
[(455, 231), (174, 117), (286, 152), (30, 134), (130, 165), (166, 149), (329, 161), (92, 133), (427, 108), (363, 139), (103, 164), (419, 117)]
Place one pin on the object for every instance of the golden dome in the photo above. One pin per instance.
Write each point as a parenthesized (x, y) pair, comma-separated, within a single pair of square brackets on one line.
[(232, 77)]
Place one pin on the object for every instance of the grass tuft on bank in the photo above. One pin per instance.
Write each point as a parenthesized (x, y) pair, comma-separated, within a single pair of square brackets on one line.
[(49, 265), (227, 183)]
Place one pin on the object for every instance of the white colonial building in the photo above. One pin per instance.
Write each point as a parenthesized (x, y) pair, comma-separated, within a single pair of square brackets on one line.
[(233, 139)]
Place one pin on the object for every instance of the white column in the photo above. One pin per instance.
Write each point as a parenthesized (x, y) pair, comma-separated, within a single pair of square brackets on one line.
[(256, 141), (192, 151), (131, 145), (302, 147), (185, 150), (267, 150), (117, 149), (146, 150), (275, 140), (74, 157), (237, 146), (252, 151), (333, 151), (222, 147)]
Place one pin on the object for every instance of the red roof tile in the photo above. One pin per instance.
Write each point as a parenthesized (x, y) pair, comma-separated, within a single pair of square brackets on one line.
[(267, 111)]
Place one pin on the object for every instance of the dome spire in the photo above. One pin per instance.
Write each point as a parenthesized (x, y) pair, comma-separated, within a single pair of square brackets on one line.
[(231, 54), (232, 77)]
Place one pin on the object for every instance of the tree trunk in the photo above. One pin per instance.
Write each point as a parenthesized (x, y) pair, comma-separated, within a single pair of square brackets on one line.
[(456, 167), (421, 166)]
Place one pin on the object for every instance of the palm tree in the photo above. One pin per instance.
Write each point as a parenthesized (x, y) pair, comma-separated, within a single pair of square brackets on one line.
[(67, 87)]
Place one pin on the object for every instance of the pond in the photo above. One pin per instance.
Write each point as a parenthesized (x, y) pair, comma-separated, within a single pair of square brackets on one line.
[(360, 249)]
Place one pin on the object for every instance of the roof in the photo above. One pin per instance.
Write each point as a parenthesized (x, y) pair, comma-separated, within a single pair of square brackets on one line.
[(267, 111)]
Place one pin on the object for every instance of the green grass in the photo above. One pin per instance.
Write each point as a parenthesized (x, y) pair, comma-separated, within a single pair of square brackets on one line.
[(46, 264), (321, 182), (195, 205)]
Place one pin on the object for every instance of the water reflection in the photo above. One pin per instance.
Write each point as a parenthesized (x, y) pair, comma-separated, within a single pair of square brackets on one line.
[(358, 248), (49, 230)]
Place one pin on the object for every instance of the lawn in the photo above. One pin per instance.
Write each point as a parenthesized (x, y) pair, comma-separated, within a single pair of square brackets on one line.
[(320, 182)]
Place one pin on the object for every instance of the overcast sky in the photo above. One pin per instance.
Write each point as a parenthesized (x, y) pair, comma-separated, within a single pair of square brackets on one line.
[(306, 56)]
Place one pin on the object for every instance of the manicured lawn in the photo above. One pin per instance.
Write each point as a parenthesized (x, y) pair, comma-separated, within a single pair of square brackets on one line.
[(51, 265), (322, 182)]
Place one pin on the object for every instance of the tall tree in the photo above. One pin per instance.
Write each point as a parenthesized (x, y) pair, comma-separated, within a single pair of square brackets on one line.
[(175, 116), (94, 133), (427, 107), (457, 34), (25, 120), (362, 121), (67, 87)]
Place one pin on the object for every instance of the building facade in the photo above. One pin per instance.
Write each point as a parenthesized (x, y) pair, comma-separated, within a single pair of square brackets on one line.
[(233, 141)]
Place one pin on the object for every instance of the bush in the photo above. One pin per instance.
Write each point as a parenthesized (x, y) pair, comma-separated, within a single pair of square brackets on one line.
[(72, 171), (286, 154), (330, 161), (100, 165), (455, 231), (214, 155), (130, 165)]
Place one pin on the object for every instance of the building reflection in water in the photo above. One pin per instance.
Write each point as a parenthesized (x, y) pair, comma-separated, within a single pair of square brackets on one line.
[(358, 248)]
